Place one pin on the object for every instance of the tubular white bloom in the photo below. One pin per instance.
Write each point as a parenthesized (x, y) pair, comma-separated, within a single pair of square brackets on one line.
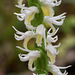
[(26, 36), (31, 56), (54, 20), (56, 70), (40, 32), (27, 14), (52, 52)]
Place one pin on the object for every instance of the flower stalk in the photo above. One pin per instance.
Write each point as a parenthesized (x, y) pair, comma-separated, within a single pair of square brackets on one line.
[(37, 16)]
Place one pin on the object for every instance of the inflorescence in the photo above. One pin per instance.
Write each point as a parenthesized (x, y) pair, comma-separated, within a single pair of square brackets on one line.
[(37, 17)]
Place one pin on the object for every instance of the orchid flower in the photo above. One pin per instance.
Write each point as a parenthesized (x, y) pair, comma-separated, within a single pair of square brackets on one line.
[(52, 52), (47, 6), (31, 56), (40, 30), (54, 20), (56, 70), (27, 14)]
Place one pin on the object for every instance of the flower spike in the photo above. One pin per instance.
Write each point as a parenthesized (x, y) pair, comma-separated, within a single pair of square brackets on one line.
[(37, 17)]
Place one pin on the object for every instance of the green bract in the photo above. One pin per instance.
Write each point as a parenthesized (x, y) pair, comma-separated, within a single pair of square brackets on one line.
[(39, 17), (41, 63)]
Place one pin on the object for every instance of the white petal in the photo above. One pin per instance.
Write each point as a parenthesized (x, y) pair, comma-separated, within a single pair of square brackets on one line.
[(26, 40), (64, 67), (17, 32), (51, 49), (30, 27), (30, 63), (30, 55), (55, 70), (19, 37), (54, 20), (55, 32), (27, 50), (40, 30), (58, 22), (51, 39), (20, 17), (56, 46), (45, 38), (28, 36), (23, 57)]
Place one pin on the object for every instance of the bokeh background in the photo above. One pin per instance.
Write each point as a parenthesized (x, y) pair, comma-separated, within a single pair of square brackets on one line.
[(9, 60)]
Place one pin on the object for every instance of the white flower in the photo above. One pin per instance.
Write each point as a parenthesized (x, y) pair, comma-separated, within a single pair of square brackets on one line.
[(31, 56), (26, 36), (47, 6), (27, 14), (54, 20), (56, 70), (52, 52), (39, 34), (47, 10)]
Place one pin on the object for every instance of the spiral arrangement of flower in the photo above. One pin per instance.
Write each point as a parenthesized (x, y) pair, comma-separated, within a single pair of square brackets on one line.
[(37, 17)]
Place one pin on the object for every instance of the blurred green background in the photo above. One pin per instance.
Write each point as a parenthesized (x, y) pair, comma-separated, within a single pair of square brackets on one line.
[(9, 60)]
